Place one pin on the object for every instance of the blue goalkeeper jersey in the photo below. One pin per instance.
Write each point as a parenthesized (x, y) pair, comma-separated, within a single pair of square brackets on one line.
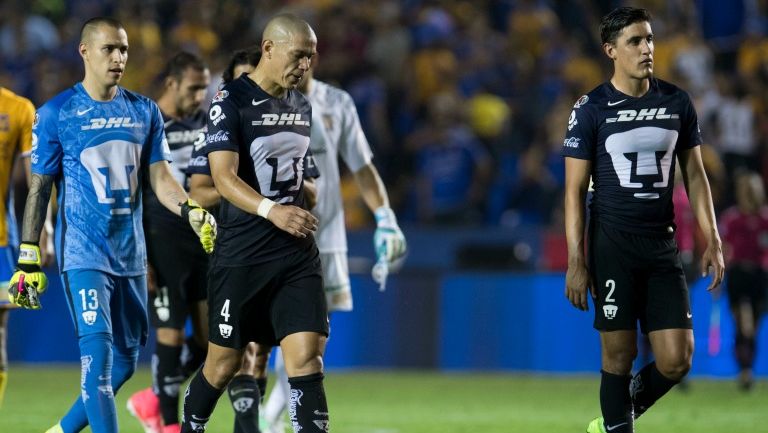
[(98, 153)]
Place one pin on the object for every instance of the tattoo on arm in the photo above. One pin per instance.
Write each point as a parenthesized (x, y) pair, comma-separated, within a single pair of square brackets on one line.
[(36, 208)]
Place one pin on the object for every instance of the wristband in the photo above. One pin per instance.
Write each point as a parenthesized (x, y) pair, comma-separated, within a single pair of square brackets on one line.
[(264, 207)]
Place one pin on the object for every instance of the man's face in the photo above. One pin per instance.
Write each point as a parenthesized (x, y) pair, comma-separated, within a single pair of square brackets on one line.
[(292, 58), (633, 51), (189, 91), (105, 54)]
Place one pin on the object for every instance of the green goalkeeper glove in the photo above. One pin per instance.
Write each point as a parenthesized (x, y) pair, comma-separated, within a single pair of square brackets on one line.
[(202, 223), (29, 281)]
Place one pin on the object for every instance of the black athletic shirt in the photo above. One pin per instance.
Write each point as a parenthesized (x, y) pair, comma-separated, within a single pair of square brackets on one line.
[(632, 143), (271, 137), (182, 135)]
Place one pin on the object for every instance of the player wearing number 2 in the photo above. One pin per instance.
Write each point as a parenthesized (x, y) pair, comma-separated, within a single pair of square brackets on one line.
[(626, 134), (265, 283)]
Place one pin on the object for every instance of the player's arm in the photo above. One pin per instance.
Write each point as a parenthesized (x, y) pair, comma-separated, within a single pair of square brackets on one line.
[(310, 193), (389, 240), (203, 190), (292, 219), (700, 196), (577, 280), (175, 199)]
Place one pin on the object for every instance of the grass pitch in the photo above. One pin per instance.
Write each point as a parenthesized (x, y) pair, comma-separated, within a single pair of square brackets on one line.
[(426, 402)]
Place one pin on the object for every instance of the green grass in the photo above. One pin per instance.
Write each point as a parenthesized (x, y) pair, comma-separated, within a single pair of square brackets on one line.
[(427, 402)]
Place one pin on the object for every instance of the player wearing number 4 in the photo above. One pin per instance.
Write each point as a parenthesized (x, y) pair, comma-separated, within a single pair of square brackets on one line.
[(265, 282), (97, 142), (626, 134)]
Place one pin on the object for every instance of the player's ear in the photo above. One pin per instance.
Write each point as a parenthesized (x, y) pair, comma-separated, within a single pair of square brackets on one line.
[(266, 48), (609, 50), (83, 50)]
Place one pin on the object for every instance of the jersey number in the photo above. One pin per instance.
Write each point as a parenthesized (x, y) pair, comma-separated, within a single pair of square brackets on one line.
[(225, 311), (94, 299), (113, 168), (611, 285)]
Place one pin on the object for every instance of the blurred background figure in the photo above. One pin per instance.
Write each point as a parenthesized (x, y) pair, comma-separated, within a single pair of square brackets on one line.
[(745, 237)]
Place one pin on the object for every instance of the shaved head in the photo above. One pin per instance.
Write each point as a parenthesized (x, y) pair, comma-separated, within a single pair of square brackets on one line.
[(92, 26), (286, 27)]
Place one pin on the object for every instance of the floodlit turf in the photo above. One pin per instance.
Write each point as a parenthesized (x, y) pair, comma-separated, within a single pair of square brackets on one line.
[(427, 402)]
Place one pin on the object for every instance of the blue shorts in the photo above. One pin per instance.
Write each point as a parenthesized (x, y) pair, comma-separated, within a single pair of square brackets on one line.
[(7, 267), (103, 303)]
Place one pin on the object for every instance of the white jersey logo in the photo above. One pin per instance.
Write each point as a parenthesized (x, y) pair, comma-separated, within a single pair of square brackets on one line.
[(642, 157)]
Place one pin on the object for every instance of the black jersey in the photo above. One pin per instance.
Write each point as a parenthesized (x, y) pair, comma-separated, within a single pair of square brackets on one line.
[(632, 143), (271, 136), (182, 135)]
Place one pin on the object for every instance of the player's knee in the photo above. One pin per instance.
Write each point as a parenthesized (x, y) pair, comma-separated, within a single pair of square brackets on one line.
[(675, 369), (303, 363), (219, 371), (619, 361)]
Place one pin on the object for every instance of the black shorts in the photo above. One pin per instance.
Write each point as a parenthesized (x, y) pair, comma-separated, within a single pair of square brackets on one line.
[(746, 284), (181, 272), (266, 302), (637, 278)]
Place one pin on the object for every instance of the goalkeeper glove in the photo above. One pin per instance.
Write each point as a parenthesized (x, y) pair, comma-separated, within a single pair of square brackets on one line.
[(29, 281), (388, 240), (202, 223)]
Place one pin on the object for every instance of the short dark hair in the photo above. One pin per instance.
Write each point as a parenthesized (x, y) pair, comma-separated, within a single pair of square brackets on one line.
[(91, 25), (612, 24), (182, 61), (248, 56)]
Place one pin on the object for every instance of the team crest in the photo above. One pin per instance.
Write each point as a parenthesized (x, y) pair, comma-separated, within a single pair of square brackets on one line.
[(220, 96), (5, 123), (583, 100)]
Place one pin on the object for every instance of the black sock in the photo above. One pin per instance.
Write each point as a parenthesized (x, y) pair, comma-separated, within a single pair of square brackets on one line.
[(167, 379), (647, 386), (262, 384), (244, 394), (192, 357), (745, 351), (616, 403), (307, 408), (199, 403)]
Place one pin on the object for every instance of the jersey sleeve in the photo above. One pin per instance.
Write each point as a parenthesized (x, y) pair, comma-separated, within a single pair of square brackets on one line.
[(26, 119), (46, 148), (581, 135), (310, 166), (690, 133), (223, 124), (159, 150), (353, 146), (198, 162)]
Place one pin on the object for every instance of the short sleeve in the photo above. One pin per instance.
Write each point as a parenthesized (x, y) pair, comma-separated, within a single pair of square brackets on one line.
[(46, 147), (223, 123), (353, 146), (159, 150), (690, 133), (198, 162), (26, 119), (581, 134)]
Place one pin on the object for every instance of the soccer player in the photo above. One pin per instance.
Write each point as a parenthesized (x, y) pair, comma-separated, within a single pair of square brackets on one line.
[(336, 131), (625, 134), (97, 142), (265, 280), (176, 262), (16, 114), (745, 228)]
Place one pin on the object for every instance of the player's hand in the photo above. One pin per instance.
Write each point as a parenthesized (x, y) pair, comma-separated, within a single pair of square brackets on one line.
[(292, 219), (202, 222), (713, 258), (577, 280), (29, 281), (388, 240)]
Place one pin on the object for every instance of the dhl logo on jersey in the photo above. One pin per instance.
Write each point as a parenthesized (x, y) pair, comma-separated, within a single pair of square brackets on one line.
[(112, 122), (644, 114), (281, 119)]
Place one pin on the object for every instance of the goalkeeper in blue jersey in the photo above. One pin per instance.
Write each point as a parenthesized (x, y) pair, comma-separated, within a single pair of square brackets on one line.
[(97, 142)]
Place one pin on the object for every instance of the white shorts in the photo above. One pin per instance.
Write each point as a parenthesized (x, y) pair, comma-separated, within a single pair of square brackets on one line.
[(338, 292)]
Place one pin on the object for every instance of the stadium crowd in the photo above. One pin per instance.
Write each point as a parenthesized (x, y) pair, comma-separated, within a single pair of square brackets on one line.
[(464, 103)]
